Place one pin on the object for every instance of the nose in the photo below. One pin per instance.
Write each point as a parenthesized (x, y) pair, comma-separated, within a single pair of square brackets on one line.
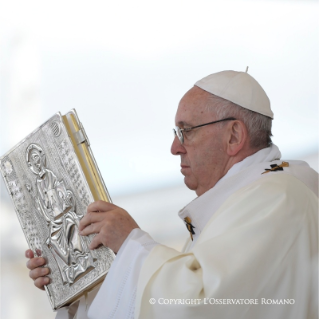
[(177, 148)]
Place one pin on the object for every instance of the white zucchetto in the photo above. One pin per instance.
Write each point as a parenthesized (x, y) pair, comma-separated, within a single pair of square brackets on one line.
[(239, 88)]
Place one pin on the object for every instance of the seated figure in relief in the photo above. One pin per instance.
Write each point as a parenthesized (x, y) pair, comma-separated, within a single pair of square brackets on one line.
[(57, 205)]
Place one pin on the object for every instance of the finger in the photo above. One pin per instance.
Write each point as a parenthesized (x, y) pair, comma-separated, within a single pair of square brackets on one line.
[(91, 218), (41, 282), (39, 272), (99, 206), (91, 229), (29, 253), (96, 242), (36, 262)]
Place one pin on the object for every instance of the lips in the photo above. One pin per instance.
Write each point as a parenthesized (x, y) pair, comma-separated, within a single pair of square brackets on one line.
[(184, 168)]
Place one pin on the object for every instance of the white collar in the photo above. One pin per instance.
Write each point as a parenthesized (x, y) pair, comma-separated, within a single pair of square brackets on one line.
[(201, 209)]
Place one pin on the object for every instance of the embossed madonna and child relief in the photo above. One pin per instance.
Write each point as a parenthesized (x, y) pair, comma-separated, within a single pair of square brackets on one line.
[(57, 205)]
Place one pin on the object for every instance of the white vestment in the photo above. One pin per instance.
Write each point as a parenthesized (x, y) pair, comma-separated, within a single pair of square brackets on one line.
[(255, 248)]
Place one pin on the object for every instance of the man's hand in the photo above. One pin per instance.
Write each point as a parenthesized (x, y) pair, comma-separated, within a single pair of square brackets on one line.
[(111, 224), (37, 273)]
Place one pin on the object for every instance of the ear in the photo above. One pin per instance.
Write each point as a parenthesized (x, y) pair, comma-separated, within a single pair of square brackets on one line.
[(237, 137)]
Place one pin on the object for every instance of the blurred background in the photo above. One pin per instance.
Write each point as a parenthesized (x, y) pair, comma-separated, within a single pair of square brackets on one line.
[(124, 66)]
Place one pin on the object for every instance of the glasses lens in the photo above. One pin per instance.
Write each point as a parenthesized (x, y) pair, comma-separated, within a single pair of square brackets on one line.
[(179, 134), (174, 132)]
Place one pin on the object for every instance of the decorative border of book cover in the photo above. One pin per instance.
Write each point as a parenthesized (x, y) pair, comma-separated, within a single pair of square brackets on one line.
[(50, 194)]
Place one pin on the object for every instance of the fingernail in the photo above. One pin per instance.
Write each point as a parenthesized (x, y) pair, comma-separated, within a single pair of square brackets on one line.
[(45, 271), (46, 280)]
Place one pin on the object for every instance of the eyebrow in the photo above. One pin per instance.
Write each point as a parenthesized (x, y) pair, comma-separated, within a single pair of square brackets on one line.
[(182, 123)]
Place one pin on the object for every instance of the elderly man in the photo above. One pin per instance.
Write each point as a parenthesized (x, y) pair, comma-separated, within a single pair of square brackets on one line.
[(252, 251)]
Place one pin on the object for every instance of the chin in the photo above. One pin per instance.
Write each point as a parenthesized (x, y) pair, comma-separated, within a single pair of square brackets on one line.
[(190, 184)]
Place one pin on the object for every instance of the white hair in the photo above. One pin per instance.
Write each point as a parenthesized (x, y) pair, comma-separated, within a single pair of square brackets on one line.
[(258, 125)]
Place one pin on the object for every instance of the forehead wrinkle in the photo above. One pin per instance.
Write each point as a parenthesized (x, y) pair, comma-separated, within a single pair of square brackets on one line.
[(196, 103)]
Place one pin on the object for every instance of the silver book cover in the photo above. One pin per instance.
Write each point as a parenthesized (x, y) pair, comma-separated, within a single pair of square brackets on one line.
[(50, 180)]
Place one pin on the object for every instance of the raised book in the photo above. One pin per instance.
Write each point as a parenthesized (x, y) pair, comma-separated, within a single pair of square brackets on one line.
[(52, 177)]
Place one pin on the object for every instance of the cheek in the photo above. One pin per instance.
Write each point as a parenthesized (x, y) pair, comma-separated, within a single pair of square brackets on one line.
[(205, 160), (199, 160)]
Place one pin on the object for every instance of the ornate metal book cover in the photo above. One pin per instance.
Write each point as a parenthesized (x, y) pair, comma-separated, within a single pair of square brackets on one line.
[(52, 177)]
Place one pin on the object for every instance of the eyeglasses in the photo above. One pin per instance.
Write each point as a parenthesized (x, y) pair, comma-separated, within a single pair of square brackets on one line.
[(179, 131)]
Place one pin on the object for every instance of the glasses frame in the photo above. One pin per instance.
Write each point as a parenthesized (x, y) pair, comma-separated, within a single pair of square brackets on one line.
[(179, 131)]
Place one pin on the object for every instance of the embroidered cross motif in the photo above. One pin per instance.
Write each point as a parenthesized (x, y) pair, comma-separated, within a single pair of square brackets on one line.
[(275, 167), (189, 226)]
